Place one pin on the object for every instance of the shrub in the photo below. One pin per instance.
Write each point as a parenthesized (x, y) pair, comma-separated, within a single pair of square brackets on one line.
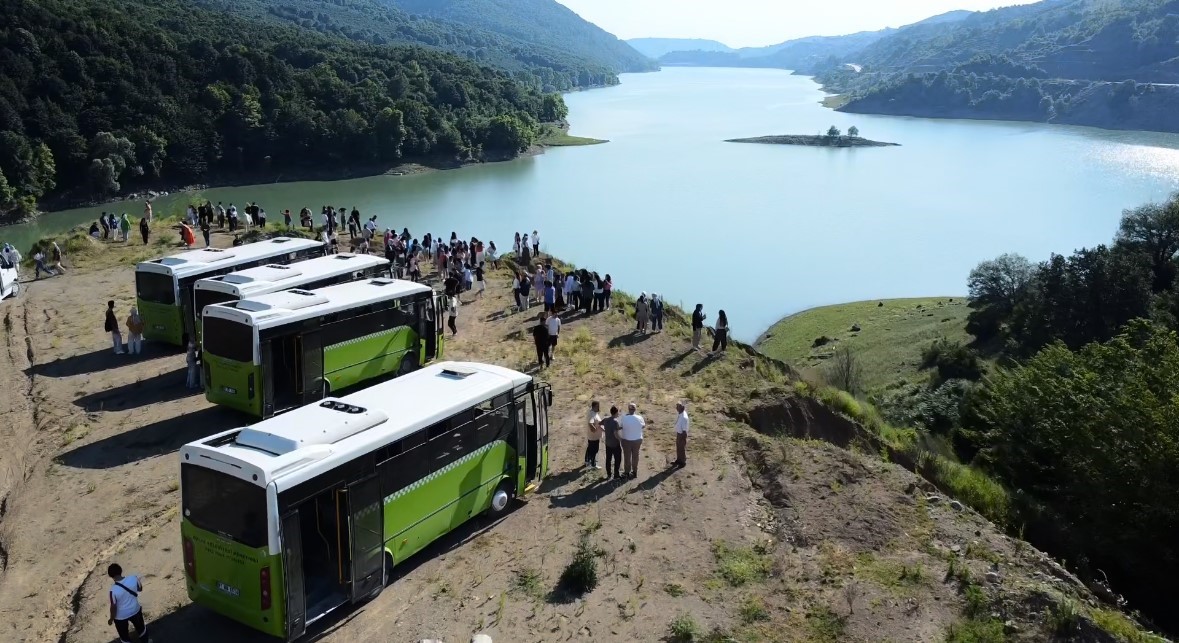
[(741, 565), (825, 625), (753, 610), (684, 629), (528, 581), (977, 631), (581, 575), (1064, 617), (976, 599), (952, 361), (971, 486)]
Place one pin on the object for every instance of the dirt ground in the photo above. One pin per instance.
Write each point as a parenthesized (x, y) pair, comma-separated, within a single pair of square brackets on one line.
[(758, 538)]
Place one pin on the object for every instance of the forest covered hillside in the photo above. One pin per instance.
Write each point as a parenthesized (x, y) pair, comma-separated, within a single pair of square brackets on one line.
[(542, 22), (100, 95), (531, 57)]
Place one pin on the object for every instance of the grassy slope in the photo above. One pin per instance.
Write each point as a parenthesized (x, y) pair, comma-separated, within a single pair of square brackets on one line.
[(889, 343), (554, 136)]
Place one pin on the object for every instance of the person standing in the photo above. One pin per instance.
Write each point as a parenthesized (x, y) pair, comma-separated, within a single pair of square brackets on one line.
[(56, 253), (144, 230), (452, 315), (554, 326), (632, 440), (260, 214), (642, 313), (220, 216), (550, 297), (540, 337), (536, 244), (126, 611), (134, 333), (194, 373), (106, 228), (721, 340), (656, 313), (147, 210), (125, 227), (112, 327), (698, 318), (610, 429), (681, 436), (478, 279), (206, 228), (593, 436)]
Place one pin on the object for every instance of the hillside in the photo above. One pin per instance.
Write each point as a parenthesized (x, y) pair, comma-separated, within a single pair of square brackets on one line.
[(656, 47), (548, 68), (542, 22), (168, 93), (787, 524)]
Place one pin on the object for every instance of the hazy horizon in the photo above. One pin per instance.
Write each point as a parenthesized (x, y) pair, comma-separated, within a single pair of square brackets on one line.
[(756, 23)]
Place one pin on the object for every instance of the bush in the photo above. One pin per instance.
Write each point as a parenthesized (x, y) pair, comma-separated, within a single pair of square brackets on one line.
[(952, 361), (684, 629), (741, 565), (581, 575), (977, 631), (1064, 617), (753, 610), (971, 486)]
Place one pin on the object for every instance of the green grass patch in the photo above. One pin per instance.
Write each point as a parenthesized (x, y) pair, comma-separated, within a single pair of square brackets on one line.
[(1120, 627), (753, 610), (742, 565), (890, 573), (977, 631), (528, 582), (825, 626), (553, 136), (971, 486), (675, 590), (684, 629), (888, 344)]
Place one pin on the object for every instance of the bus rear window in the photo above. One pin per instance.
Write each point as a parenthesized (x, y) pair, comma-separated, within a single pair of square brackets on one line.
[(155, 287), (205, 297), (228, 339), (225, 505)]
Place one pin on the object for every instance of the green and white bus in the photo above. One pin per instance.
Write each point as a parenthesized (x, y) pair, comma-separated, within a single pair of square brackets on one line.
[(163, 287), (306, 275), (276, 352), (293, 517)]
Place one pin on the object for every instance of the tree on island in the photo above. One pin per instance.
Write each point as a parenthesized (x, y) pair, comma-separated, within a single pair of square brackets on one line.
[(833, 132), (853, 131)]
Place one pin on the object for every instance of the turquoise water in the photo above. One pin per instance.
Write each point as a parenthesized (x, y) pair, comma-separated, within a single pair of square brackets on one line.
[(761, 231)]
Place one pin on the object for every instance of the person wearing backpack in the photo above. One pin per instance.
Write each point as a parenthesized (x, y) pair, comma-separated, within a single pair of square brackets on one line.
[(126, 611)]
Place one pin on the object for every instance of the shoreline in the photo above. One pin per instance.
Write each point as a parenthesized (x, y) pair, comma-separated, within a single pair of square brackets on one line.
[(556, 135), (764, 334)]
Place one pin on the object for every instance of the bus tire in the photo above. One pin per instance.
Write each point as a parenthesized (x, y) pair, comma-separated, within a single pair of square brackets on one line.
[(409, 364), (501, 499), (388, 569)]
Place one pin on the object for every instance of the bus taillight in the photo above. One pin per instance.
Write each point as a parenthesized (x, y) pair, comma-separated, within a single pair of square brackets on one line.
[(189, 560), (264, 582)]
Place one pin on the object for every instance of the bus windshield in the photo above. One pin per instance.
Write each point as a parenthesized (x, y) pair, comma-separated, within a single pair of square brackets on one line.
[(225, 505), (228, 339), (158, 288), (205, 297)]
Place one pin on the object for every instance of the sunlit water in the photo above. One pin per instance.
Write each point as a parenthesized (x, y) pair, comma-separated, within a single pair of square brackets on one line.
[(762, 231)]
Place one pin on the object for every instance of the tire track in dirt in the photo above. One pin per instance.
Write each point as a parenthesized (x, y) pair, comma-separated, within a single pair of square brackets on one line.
[(22, 421)]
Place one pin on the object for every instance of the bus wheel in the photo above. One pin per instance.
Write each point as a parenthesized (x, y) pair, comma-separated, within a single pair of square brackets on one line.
[(409, 364), (388, 569), (502, 498)]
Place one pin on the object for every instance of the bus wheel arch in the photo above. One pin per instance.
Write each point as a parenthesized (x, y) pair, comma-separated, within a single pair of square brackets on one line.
[(409, 364), (502, 497), (388, 567)]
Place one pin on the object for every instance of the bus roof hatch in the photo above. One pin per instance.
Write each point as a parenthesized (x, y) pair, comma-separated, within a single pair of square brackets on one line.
[(328, 426)]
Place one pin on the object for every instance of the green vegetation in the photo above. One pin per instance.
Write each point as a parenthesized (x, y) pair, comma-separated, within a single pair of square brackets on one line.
[(684, 629), (888, 344), (554, 136), (563, 30), (742, 565), (753, 610), (977, 630), (158, 96), (581, 575), (528, 581), (825, 626)]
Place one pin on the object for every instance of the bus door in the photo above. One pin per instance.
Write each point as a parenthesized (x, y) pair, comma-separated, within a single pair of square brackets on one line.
[(542, 398), (292, 564), (311, 352), (366, 525)]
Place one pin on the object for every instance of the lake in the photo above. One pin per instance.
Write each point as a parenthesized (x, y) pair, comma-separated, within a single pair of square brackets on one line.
[(761, 231)]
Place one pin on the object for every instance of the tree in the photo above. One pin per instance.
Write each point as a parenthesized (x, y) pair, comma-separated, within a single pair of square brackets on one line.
[(833, 132), (844, 370), (117, 149), (6, 193), (1092, 438), (553, 109), (853, 131), (1153, 229), (994, 286), (508, 134), (104, 176)]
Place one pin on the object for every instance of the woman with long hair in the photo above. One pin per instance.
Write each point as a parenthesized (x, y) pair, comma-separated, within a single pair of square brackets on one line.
[(721, 336)]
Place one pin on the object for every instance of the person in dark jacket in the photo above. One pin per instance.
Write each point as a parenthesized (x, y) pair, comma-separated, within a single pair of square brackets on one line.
[(144, 230), (540, 336), (698, 318)]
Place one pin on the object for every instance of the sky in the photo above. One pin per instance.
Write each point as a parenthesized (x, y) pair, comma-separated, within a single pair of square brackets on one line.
[(753, 23)]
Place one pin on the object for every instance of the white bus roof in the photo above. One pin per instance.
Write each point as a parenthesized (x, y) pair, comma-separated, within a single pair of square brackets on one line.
[(198, 261), (296, 446), (262, 280), (288, 306)]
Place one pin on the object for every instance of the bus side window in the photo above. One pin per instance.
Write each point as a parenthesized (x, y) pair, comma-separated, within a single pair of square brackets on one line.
[(494, 422), (405, 463)]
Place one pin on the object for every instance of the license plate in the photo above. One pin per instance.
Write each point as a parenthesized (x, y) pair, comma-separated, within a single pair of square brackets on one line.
[(228, 589), (229, 389)]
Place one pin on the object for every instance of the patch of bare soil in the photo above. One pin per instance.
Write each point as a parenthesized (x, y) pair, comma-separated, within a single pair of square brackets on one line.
[(759, 538)]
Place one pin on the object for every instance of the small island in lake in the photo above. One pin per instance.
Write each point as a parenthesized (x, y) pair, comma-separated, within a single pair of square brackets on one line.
[(833, 138)]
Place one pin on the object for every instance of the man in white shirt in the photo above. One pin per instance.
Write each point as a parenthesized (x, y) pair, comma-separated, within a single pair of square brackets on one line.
[(632, 440), (125, 609), (554, 324), (681, 436)]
